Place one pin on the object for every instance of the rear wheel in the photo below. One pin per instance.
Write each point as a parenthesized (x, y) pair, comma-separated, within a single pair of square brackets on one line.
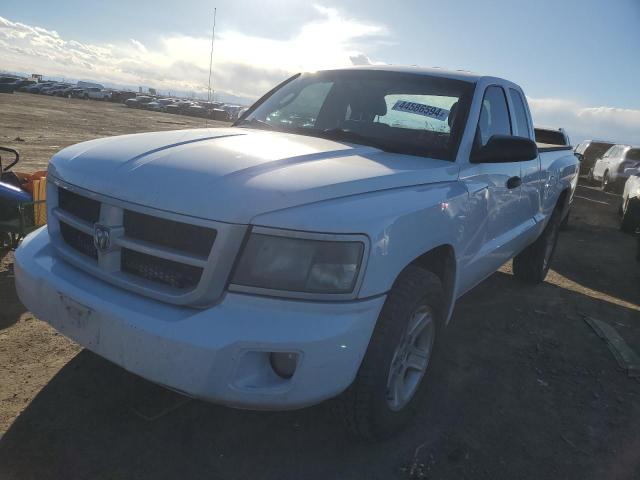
[(606, 182), (532, 264), (391, 379)]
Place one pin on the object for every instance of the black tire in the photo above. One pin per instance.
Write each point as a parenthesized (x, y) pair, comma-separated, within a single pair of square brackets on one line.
[(532, 264), (606, 183), (564, 225), (630, 219), (364, 407)]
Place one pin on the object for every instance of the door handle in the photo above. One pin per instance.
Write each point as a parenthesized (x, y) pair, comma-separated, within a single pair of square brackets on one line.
[(514, 182)]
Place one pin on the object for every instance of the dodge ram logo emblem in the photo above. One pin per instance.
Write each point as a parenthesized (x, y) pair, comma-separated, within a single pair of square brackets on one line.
[(101, 237)]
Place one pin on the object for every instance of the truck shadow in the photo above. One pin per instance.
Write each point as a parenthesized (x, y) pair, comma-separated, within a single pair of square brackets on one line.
[(522, 378), (11, 307), (593, 252)]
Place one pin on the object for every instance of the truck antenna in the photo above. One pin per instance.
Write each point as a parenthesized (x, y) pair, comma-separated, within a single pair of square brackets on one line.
[(213, 36)]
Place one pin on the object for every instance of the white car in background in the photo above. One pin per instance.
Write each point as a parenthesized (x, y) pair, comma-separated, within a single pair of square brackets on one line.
[(616, 166), (630, 206), (96, 93)]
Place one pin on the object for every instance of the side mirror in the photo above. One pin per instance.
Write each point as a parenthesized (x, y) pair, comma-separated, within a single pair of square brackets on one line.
[(505, 148)]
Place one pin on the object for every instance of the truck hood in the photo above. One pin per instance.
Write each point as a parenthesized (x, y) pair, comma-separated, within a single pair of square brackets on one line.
[(234, 174)]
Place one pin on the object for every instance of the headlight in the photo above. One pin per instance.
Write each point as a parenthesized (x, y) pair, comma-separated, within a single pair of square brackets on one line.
[(314, 264)]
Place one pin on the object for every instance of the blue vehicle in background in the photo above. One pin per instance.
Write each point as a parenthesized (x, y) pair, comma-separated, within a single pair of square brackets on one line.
[(22, 203)]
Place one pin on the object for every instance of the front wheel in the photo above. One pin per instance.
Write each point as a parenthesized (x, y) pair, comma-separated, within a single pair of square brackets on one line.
[(391, 379), (532, 264), (630, 219)]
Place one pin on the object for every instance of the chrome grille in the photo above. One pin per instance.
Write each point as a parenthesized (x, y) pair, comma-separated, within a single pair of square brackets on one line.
[(159, 270), (187, 238), (166, 256), (78, 240), (84, 208)]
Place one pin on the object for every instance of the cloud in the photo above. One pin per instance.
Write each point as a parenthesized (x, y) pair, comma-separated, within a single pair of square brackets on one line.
[(360, 59), (244, 65), (620, 125), (139, 45)]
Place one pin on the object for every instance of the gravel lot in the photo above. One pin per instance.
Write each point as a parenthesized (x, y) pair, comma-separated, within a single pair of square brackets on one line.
[(524, 388)]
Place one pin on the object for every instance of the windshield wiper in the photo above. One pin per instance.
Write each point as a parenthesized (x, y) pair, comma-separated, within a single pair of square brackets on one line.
[(254, 122)]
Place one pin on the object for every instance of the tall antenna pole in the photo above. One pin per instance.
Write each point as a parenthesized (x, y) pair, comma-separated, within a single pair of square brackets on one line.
[(213, 36)]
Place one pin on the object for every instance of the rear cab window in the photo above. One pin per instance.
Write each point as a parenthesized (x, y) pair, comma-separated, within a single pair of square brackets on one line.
[(520, 111)]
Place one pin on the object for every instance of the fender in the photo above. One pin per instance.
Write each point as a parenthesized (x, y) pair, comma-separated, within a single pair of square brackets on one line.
[(401, 224)]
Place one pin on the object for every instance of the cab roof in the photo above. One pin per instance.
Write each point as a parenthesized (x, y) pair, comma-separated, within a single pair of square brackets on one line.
[(432, 71)]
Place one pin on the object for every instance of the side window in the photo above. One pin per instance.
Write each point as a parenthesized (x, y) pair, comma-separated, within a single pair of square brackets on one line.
[(522, 119), (494, 116)]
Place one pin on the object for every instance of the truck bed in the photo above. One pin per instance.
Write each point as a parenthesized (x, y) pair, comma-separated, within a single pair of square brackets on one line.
[(547, 147)]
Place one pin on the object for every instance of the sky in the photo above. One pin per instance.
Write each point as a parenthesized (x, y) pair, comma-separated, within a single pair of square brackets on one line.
[(577, 61)]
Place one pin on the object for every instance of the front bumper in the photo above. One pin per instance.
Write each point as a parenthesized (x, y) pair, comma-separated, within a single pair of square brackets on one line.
[(220, 354)]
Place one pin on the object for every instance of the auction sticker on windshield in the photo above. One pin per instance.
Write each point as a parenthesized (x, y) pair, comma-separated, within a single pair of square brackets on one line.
[(421, 109)]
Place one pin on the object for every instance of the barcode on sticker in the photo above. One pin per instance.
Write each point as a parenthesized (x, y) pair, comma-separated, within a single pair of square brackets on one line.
[(421, 109)]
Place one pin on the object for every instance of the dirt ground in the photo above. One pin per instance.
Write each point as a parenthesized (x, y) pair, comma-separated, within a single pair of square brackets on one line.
[(523, 389), (38, 126)]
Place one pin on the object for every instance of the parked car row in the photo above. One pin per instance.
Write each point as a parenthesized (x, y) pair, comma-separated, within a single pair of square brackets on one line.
[(615, 168), (9, 84), (62, 89), (92, 91), (608, 165), (203, 109)]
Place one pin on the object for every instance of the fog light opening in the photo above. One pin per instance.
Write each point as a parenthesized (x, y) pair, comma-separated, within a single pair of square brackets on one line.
[(284, 363)]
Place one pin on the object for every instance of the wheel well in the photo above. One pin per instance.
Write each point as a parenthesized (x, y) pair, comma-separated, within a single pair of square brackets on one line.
[(442, 262)]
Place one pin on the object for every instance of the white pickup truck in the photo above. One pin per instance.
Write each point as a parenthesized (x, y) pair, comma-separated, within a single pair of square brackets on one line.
[(313, 250)]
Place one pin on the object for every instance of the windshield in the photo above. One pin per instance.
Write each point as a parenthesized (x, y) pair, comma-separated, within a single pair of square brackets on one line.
[(633, 154), (399, 112), (596, 150)]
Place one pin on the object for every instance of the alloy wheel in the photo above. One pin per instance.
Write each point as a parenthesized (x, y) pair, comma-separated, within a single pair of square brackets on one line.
[(411, 358)]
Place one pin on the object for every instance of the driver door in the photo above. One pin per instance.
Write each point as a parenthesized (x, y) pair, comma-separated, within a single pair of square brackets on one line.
[(495, 197)]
